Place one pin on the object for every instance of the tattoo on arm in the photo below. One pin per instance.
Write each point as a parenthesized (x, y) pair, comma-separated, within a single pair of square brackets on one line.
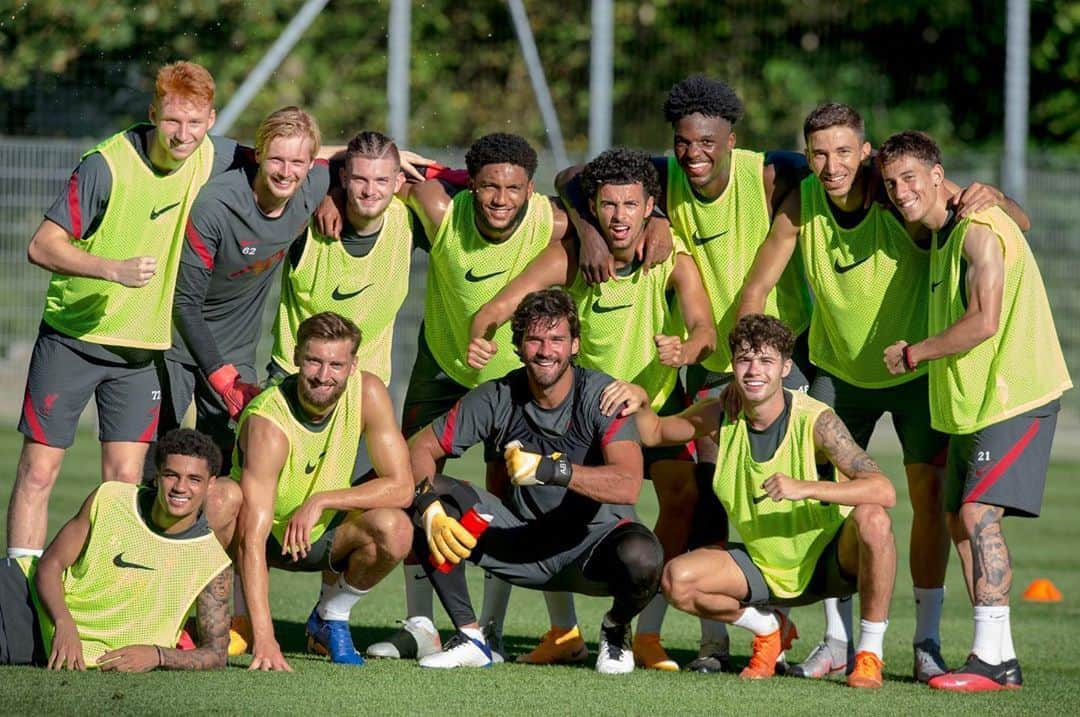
[(834, 439), (991, 565), (212, 615)]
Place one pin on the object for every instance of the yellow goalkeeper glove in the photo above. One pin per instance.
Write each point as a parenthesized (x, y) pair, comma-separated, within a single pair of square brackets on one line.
[(527, 468), (447, 539)]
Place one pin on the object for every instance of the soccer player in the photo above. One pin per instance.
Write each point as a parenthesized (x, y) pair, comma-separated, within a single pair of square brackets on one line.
[(570, 476), (629, 329), (296, 461), (363, 274), (868, 278), (112, 239), (798, 546), (996, 375), (116, 585), (238, 233)]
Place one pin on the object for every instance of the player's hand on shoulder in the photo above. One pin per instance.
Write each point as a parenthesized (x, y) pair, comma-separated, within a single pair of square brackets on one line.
[(780, 487), (976, 197), (268, 658), (66, 649), (481, 351), (135, 272), (328, 216), (133, 658), (658, 244), (529, 468), (628, 397), (670, 350), (411, 164)]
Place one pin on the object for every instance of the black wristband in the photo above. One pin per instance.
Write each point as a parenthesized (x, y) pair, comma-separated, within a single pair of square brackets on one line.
[(555, 469), (424, 497)]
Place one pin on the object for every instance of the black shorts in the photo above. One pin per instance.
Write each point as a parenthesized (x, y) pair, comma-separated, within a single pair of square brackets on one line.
[(61, 381), (430, 394), (318, 557), (1003, 464), (701, 383), (20, 633), (828, 580), (907, 403)]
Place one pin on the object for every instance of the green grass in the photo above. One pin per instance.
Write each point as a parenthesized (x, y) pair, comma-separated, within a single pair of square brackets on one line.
[(1045, 637)]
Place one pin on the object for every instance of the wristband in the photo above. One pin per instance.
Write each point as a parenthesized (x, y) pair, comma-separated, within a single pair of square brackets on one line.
[(160, 656), (555, 469), (905, 354)]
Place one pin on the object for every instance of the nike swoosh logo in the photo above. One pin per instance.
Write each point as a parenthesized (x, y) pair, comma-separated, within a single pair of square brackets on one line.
[(701, 241), (935, 285), (849, 267), (338, 295), (759, 498), (470, 276), (310, 467), (119, 562), (155, 213), (597, 308)]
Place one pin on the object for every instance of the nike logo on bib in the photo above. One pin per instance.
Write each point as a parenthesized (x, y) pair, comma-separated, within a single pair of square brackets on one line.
[(759, 498), (310, 467), (700, 240), (597, 308), (849, 267), (155, 213), (935, 285), (119, 562), (470, 276), (338, 295)]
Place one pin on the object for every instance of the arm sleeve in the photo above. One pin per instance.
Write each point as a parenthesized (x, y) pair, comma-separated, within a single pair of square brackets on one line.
[(470, 421), (229, 154), (81, 205), (192, 283)]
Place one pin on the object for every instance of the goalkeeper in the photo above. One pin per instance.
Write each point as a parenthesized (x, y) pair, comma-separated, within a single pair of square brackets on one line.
[(562, 519)]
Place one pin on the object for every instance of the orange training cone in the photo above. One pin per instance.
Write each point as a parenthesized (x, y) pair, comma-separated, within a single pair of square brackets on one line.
[(1042, 590)]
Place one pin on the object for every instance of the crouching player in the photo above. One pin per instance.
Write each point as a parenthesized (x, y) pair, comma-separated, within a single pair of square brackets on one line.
[(798, 545), (115, 586), (296, 462)]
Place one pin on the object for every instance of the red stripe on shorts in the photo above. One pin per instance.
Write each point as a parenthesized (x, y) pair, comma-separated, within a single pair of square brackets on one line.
[(73, 206), (199, 246), (446, 440), (151, 428), (36, 431), (1002, 465)]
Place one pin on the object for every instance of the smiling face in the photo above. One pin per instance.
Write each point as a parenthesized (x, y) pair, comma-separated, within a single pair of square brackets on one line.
[(324, 370), (370, 185), (621, 210), (182, 483), (283, 166), (835, 155), (501, 193), (180, 127), (703, 149), (914, 186), (759, 373), (547, 350)]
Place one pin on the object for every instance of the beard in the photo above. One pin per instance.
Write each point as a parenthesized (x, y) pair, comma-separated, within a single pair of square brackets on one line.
[(547, 377), (320, 402)]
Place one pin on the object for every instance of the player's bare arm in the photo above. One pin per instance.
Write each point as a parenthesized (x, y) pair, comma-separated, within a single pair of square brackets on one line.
[(985, 280), (212, 616), (424, 454), (861, 480), (772, 256), (554, 266), (701, 419), (265, 449), (60, 555), (430, 200), (53, 249), (617, 481), (697, 315), (978, 196)]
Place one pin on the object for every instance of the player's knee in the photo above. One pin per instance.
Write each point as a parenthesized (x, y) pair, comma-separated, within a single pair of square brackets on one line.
[(643, 560), (678, 585), (391, 531), (873, 523), (37, 474)]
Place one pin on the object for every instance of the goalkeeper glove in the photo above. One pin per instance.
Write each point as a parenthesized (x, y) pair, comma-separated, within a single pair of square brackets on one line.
[(234, 392), (526, 468), (448, 540)]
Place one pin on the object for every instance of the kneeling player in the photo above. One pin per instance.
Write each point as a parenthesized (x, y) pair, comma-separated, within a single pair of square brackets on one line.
[(297, 457), (798, 545), (571, 476), (115, 586)]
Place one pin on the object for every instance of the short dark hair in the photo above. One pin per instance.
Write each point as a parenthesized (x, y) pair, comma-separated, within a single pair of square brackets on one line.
[(833, 114), (188, 442), (370, 144), (328, 326), (910, 143), (760, 330), (620, 165), (700, 94), (500, 148), (546, 307)]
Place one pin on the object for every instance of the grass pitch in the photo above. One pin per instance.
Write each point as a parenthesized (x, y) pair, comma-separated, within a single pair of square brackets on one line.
[(1045, 637)]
